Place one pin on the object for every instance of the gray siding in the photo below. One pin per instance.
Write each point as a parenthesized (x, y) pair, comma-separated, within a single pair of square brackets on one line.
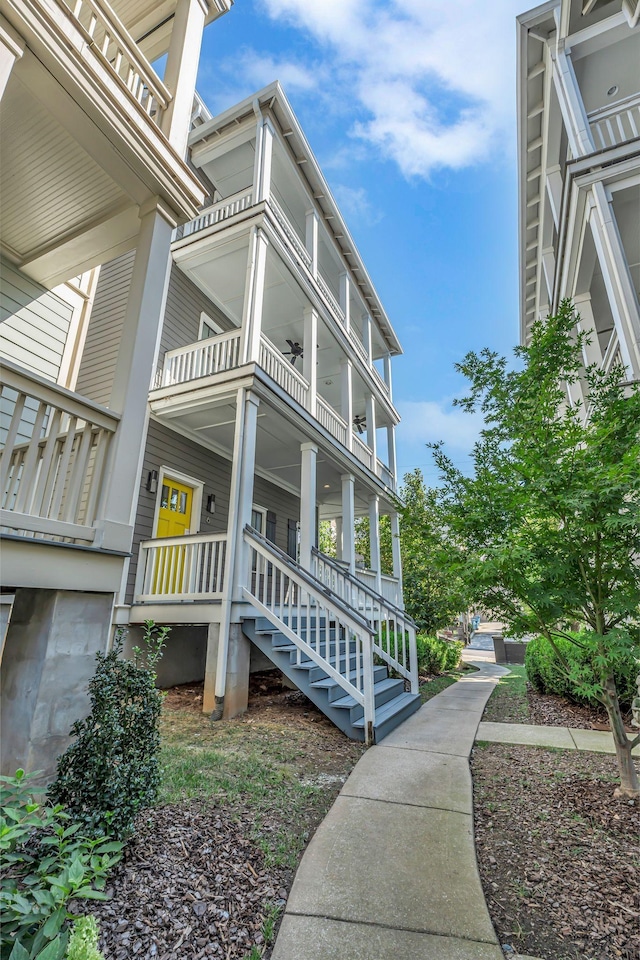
[(169, 449), (35, 323), (185, 303), (97, 367)]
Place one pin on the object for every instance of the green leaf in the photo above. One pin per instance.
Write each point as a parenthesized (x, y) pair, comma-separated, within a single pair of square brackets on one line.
[(54, 923), (55, 950), (18, 952)]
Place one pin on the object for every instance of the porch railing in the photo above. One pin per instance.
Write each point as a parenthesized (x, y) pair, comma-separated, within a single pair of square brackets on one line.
[(53, 459), (616, 123), (331, 420), (317, 622), (283, 372), (202, 359), (289, 231), (217, 212), (109, 42), (395, 632), (173, 569), (389, 586), (362, 452), (329, 296)]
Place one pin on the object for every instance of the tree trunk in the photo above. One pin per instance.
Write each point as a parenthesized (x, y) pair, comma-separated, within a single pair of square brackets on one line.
[(629, 784)]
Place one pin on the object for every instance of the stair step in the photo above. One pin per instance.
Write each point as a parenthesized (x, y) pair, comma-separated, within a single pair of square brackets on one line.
[(391, 714), (383, 691), (333, 688)]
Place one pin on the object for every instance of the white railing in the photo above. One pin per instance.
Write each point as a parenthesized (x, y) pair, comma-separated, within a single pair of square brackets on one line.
[(362, 452), (109, 41), (201, 359), (222, 210), (283, 372), (616, 123), (53, 460), (321, 626), (174, 569), (328, 295), (383, 471), (331, 420), (289, 231), (360, 348), (389, 586), (395, 640), (379, 380)]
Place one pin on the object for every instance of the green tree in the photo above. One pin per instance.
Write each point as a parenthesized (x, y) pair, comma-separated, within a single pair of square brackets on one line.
[(548, 529), (434, 594), (361, 527)]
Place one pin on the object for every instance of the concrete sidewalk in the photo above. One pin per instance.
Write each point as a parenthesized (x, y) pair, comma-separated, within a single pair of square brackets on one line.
[(565, 738), (391, 872)]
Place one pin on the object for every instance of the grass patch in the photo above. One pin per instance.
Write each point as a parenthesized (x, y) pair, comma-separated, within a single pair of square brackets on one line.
[(436, 685), (509, 702)]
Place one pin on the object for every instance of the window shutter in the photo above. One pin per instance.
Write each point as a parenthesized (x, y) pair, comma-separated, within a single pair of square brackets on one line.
[(292, 538), (271, 526)]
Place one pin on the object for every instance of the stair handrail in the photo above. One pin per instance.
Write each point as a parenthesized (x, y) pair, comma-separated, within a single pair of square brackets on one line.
[(398, 651), (277, 585)]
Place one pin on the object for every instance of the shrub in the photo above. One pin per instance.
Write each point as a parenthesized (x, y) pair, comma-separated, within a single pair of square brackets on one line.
[(83, 942), (547, 674), (111, 771), (45, 863), (437, 656)]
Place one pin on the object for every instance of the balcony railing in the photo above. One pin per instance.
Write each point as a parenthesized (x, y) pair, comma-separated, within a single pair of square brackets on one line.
[(201, 359), (389, 586), (290, 231), (110, 43), (218, 212), (383, 471), (52, 465), (616, 123), (362, 452), (283, 372), (327, 293), (181, 568)]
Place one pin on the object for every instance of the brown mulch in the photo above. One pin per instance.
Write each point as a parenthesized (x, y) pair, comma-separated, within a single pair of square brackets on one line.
[(547, 709), (191, 885), (558, 853)]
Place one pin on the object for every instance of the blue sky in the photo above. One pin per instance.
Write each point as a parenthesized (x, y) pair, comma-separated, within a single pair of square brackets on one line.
[(409, 107)]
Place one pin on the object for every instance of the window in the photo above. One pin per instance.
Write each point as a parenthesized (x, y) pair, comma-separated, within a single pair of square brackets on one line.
[(208, 327)]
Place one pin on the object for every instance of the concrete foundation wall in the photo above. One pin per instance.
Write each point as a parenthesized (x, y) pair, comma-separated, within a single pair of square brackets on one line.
[(184, 656), (48, 660)]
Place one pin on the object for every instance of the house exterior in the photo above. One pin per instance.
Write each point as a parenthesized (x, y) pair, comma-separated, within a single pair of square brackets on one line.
[(579, 173), (92, 165), (201, 412)]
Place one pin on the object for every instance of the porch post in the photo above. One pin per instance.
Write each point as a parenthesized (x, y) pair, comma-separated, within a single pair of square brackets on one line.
[(11, 49), (310, 356), (309, 453), (386, 366), (366, 336), (370, 413), (311, 239), (338, 538), (374, 540), (264, 155), (348, 521), (391, 449), (345, 304), (137, 355), (395, 549), (254, 295), (181, 70), (346, 404)]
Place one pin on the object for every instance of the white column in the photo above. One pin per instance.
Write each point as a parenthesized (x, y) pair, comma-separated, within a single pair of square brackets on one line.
[(374, 540), (366, 337), (345, 299), (346, 407), (395, 549), (391, 450), (137, 356), (310, 356), (311, 241), (182, 69), (348, 521), (386, 364), (309, 453), (591, 352), (370, 413), (264, 156), (254, 295), (338, 538), (11, 49)]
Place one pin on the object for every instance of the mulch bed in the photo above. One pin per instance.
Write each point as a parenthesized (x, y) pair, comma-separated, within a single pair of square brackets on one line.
[(191, 885)]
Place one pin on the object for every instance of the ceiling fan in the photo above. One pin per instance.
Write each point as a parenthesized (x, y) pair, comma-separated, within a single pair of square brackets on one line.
[(360, 422), (295, 352)]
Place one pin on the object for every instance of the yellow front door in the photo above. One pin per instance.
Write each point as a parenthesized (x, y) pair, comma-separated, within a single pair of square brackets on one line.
[(174, 520)]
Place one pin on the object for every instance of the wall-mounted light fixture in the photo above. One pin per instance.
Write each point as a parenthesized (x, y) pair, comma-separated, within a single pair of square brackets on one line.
[(152, 481), (211, 503)]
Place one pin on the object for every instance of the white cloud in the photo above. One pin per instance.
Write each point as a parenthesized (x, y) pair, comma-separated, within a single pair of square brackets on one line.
[(259, 70), (431, 80), (354, 202), (428, 421)]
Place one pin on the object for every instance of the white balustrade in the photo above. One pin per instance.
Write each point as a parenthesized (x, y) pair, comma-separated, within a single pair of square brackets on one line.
[(328, 295), (202, 359), (383, 471), (331, 420), (217, 212), (181, 568), (362, 452), (109, 41), (283, 372), (616, 123), (289, 231), (53, 460)]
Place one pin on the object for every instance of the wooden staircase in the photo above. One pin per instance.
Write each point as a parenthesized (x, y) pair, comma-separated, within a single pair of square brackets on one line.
[(341, 657)]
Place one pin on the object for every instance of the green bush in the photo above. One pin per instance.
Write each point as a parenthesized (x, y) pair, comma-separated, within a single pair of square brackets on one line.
[(547, 674), (45, 863), (436, 656), (83, 942), (112, 771)]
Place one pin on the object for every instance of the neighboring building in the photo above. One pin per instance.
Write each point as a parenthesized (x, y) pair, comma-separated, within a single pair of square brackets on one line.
[(93, 149), (197, 504), (579, 172)]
